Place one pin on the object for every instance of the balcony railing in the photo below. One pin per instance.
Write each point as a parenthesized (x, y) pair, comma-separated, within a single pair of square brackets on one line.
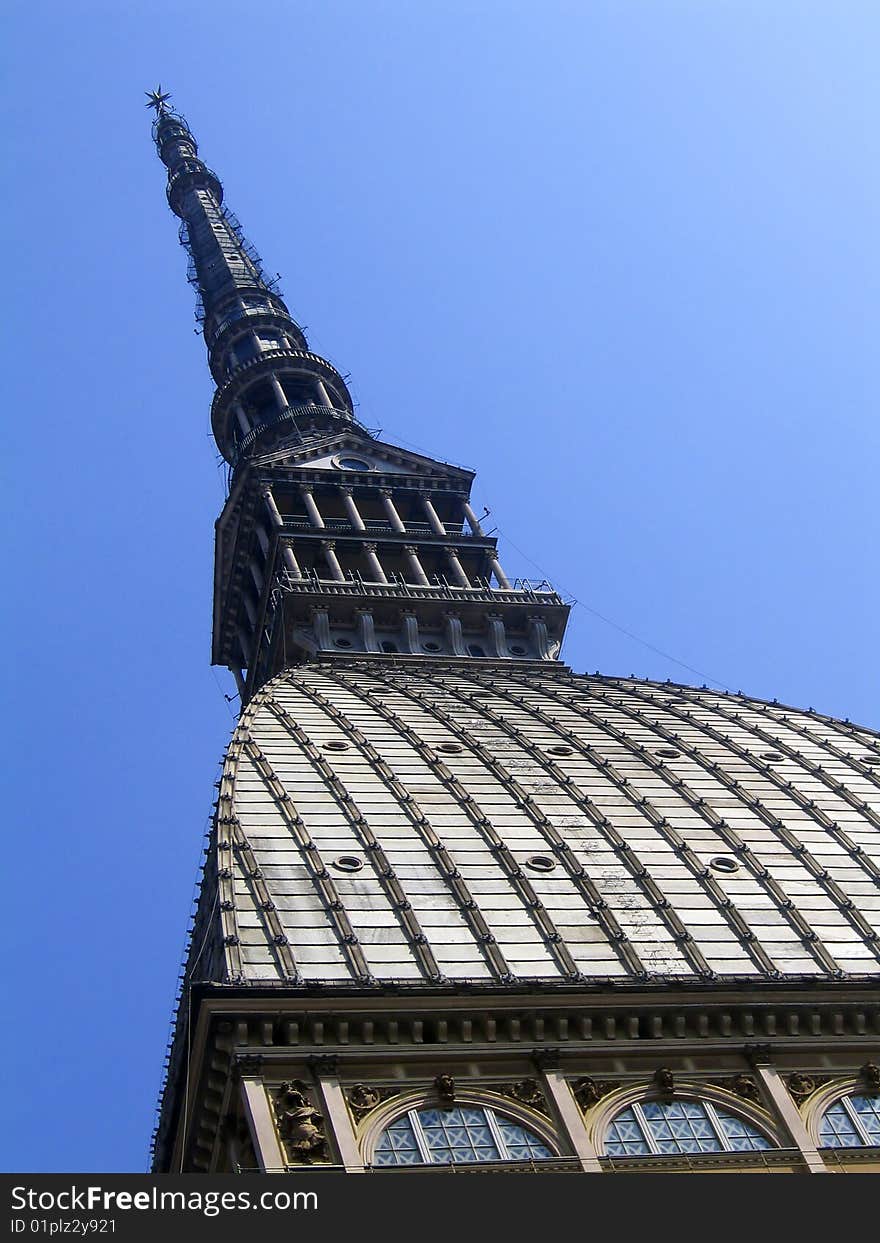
[(376, 527), (293, 414), (482, 591)]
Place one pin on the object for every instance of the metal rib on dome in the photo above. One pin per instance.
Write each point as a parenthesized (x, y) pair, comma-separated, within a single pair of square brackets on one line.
[(473, 825)]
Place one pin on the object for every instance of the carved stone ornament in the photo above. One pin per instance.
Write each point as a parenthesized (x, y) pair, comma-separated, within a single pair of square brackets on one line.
[(526, 1091), (588, 1092), (300, 1125), (801, 1086), (363, 1098), (870, 1077), (743, 1086), (445, 1087), (664, 1080)]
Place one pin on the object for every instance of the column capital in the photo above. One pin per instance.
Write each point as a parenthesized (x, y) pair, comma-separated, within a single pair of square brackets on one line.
[(329, 544), (345, 489), (368, 546)]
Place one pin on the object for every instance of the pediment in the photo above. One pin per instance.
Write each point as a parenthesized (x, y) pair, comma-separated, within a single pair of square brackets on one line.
[(350, 453)]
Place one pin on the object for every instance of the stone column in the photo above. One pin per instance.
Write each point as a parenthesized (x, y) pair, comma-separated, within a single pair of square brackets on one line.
[(391, 511), (329, 548), (789, 1116), (323, 395), (280, 395), (337, 1119), (374, 563), (499, 573), (244, 422), (570, 1119), (412, 557), (352, 510), (262, 539), (244, 643), (312, 509), (433, 517), (239, 680), (256, 573), (473, 520), (457, 568), (264, 1136), (290, 562), (249, 608)]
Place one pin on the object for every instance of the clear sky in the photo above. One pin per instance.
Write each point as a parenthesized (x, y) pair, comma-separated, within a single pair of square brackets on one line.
[(620, 257)]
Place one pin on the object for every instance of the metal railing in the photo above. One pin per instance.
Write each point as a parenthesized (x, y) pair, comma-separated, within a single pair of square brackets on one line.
[(377, 527), (292, 414), (482, 591)]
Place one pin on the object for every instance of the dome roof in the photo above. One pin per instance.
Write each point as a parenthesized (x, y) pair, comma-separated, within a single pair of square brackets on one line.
[(469, 822)]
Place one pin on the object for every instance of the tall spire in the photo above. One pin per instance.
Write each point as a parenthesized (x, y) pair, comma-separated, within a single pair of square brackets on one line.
[(258, 355), (330, 542)]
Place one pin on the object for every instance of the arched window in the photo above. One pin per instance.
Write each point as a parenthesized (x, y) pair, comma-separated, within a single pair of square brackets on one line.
[(459, 1136), (658, 1128), (851, 1122)]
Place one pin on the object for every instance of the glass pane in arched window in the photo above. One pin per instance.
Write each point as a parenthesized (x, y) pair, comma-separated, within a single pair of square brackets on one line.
[(397, 1144), (660, 1128), (851, 1122), (459, 1136), (625, 1137)]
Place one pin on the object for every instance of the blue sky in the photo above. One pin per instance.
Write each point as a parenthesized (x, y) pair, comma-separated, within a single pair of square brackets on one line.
[(618, 257)]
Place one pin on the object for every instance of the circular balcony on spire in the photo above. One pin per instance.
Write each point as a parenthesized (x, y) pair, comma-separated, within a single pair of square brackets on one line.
[(255, 389), (191, 174)]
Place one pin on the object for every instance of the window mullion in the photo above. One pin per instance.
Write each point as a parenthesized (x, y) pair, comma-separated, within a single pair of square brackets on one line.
[(720, 1132), (496, 1133), (853, 1115), (646, 1130), (416, 1125)]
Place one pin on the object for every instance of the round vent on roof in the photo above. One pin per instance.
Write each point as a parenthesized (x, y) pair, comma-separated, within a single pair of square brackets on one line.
[(449, 748), (722, 864), (335, 744), (668, 753), (348, 863), (540, 863), (560, 751), (771, 755)]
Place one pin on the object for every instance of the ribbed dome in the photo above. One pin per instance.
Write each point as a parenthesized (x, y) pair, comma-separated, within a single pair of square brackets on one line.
[(470, 821)]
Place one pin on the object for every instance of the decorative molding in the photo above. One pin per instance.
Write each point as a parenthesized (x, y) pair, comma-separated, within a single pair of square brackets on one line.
[(526, 1092), (664, 1081), (588, 1092), (742, 1086), (870, 1077), (300, 1125), (362, 1098), (444, 1086), (800, 1086)]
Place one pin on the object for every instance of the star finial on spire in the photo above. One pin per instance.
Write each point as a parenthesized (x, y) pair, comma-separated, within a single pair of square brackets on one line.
[(156, 99)]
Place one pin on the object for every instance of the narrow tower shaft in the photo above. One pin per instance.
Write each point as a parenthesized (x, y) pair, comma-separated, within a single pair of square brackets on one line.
[(331, 542)]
